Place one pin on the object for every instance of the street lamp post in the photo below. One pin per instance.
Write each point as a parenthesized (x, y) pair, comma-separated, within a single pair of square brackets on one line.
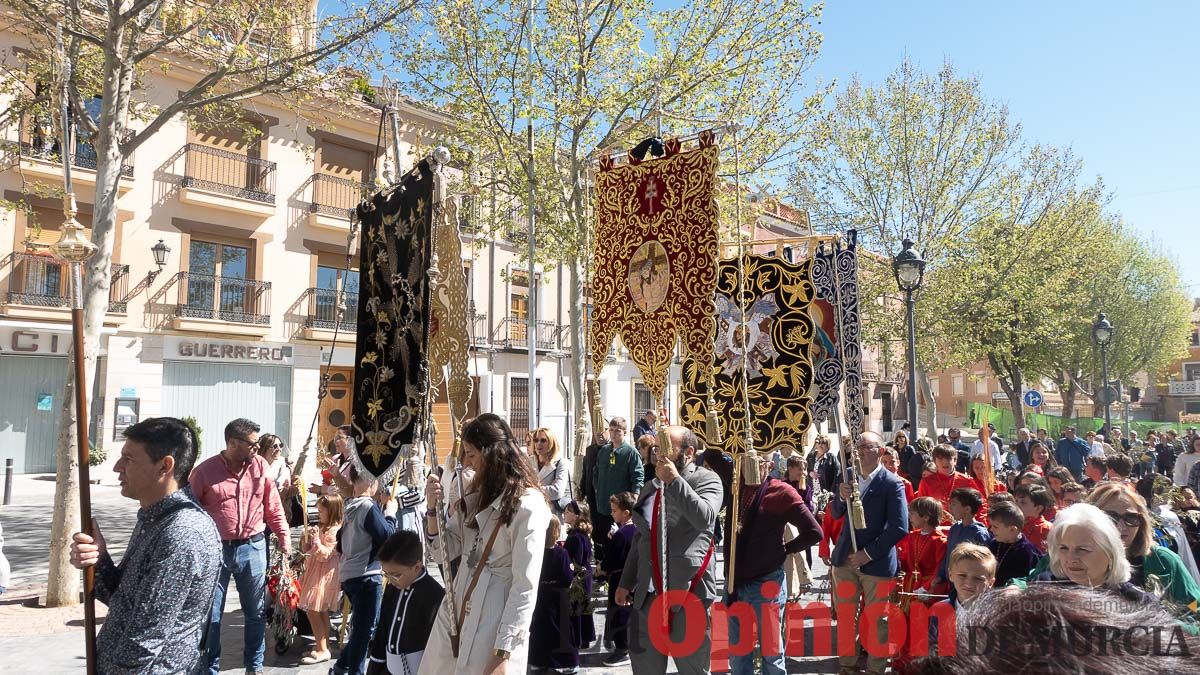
[(1102, 332), (909, 267)]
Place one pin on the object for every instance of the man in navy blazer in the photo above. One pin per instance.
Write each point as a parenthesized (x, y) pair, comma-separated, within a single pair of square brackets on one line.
[(874, 561)]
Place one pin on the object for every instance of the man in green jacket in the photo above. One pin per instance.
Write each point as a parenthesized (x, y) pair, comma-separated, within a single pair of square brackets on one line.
[(618, 469)]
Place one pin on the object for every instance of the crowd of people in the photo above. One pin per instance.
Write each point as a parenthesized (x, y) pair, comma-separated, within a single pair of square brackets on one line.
[(525, 552)]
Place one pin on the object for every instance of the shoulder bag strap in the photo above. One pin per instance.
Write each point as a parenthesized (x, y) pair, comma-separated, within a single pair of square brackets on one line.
[(487, 550)]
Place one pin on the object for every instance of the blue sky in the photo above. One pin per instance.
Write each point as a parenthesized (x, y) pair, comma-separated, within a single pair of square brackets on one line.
[(1118, 82)]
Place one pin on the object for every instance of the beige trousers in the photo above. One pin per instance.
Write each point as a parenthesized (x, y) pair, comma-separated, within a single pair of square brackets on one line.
[(865, 585)]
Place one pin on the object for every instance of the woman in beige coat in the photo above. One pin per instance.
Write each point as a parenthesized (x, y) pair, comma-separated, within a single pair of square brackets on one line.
[(503, 502)]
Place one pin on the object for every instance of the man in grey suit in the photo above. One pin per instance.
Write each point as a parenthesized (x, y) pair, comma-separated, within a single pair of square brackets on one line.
[(690, 498)]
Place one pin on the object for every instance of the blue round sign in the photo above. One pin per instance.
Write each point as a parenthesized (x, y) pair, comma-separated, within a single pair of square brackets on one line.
[(1033, 398)]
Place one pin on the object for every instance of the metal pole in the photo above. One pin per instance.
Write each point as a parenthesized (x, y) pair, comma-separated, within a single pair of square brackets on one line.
[(8, 474), (531, 335), (1107, 392), (910, 305)]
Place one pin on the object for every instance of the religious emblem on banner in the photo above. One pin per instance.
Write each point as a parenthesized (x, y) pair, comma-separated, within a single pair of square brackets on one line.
[(768, 340), (655, 258), (391, 374)]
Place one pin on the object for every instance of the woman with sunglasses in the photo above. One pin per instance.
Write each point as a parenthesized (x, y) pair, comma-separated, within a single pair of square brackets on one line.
[(1153, 567), (552, 469)]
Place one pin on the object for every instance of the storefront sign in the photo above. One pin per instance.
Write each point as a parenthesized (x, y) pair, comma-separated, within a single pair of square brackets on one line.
[(224, 351), (33, 342)]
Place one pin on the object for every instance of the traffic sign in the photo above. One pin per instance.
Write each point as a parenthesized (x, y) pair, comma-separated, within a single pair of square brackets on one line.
[(1033, 398)]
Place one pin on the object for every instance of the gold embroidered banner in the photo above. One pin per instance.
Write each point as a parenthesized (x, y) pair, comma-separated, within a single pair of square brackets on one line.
[(449, 340), (775, 351), (655, 260)]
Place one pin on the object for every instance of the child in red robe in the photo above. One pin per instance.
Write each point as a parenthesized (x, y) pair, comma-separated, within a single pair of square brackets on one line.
[(920, 553), (1034, 501), (939, 485)]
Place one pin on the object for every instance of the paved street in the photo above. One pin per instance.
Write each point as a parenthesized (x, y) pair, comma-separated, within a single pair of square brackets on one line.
[(38, 640)]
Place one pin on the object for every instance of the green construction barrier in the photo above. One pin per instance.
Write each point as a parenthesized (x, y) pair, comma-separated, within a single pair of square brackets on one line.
[(1004, 422)]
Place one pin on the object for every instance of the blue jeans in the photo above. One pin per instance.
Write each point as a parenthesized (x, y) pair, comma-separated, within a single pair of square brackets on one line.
[(247, 563), (365, 594), (751, 593)]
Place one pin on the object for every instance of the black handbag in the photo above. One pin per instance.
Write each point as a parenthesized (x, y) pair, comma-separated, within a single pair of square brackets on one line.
[(293, 511)]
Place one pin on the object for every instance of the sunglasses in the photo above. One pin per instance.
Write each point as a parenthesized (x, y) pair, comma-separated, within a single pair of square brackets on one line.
[(1129, 519)]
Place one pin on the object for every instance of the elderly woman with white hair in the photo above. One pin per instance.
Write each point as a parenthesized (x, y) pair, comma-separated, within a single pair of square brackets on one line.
[(1084, 548)]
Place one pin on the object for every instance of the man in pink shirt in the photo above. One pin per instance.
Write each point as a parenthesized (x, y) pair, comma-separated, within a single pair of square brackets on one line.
[(233, 487)]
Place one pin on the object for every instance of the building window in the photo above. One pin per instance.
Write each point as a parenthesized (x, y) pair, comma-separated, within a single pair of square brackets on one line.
[(1191, 372), (1192, 408), (211, 266), (981, 383), (956, 383), (935, 386), (518, 406), (1196, 338), (330, 282)]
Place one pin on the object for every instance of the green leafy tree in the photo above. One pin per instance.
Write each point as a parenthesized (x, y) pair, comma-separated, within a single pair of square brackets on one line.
[(603, 75), (230, 51), (921, 156)]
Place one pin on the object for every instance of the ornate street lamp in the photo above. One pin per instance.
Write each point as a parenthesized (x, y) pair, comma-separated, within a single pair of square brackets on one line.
[(1102, 332), (161, 251), (909, 267)]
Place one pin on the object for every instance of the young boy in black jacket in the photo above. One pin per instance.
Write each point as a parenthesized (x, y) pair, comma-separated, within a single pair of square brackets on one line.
[(409, 609)]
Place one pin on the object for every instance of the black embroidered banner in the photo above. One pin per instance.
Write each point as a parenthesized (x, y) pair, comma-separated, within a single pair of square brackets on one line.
[(826, 356), (770, 337), (391, 373)]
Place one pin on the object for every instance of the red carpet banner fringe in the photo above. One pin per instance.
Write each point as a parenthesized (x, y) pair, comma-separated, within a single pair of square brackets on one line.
[(655, 261), (779, 334), (391, 374)]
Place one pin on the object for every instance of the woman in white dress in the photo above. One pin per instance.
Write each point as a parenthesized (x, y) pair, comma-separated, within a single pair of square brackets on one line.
[(504, 505), (552, 470)]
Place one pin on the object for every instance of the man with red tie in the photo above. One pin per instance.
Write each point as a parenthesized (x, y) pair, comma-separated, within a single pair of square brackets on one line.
[(679, 506)]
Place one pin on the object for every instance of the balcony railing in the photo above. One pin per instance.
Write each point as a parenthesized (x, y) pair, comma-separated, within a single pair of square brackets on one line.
[(1186, 388), (335, 196), (322, 304), (38, 280), (514, 330), (228, 173), (479, 330), (204, 296), (36, 145)]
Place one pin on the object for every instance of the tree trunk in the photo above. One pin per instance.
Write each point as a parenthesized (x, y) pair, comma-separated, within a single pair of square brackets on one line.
[(931, 429), (1069, 391), (1014, 398), (63, 583), (1011, 379)]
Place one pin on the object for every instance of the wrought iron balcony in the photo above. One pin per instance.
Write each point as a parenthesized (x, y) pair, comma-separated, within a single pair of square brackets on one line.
[(204, 296), (479, 330), (335, 196), (228, 173), (322, 310), (514, 330), (38, 280), (37, 145)]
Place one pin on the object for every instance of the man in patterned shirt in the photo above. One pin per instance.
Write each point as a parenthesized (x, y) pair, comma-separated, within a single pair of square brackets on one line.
[(159, 596)]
